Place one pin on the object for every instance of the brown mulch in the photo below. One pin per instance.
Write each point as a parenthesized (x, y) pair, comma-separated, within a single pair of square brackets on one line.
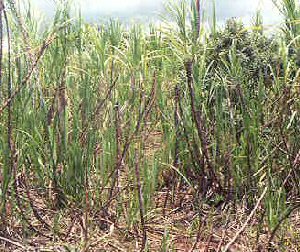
[(177, 227)]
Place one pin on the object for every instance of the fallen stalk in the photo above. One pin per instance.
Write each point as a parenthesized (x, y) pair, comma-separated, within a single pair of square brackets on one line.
[(241, 230)]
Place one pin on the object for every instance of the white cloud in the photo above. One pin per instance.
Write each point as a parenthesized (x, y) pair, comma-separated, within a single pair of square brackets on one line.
[(108, 6), (95, 9)]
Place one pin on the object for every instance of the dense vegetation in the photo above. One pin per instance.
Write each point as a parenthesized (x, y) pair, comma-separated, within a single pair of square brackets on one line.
[(159, 138)]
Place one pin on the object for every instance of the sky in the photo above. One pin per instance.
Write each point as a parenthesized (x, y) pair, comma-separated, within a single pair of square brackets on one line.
[(95, 10)]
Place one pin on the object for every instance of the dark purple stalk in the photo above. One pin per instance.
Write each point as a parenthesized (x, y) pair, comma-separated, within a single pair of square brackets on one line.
[(119, 162), (177, 126), (1, 44), (143, 113), (197, 118), (198, 18), (141, 201), (10, 143), (26, 79)]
